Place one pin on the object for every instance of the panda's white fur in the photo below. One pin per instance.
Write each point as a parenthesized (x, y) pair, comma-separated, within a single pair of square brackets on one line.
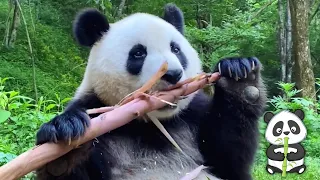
[(285, 116), (106, 71), (208, 129)]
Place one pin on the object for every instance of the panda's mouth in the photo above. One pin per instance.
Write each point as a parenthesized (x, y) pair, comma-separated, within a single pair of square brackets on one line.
[(160, 86), (163, 86), (167, 107)]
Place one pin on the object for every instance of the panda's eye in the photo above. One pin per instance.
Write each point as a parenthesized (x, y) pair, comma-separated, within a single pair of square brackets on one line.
[(294, 127), (278, 130), (175, 48), (138, 54)]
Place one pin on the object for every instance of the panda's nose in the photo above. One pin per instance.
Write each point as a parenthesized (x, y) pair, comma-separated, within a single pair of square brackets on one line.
[(286, 132), (173, 76)]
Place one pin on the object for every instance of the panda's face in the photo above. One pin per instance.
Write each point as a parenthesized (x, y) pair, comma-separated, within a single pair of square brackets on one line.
[(285, 124), (132, 50)]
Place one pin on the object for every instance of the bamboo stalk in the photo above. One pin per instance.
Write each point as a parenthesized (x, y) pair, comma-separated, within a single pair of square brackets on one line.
[(285, 152), (108, 121), (147, 86)]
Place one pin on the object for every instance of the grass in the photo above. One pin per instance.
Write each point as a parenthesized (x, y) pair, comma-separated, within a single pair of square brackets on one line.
[(59, 61)]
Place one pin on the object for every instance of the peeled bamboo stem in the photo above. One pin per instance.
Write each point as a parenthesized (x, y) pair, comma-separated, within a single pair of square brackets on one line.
[(113, 118)]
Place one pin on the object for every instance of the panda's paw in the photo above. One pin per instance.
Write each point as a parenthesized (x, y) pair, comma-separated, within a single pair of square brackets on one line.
[(239, 68), (67, 126), (302, 169), (272, 169), (241, 78)]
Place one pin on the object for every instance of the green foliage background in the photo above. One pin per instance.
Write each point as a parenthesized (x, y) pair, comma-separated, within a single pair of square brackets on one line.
[(232, 28)]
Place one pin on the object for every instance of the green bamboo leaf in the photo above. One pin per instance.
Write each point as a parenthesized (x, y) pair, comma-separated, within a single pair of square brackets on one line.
[(4, 115)]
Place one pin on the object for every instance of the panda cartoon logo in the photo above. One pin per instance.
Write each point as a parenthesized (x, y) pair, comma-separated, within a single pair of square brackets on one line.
[(285, 132)]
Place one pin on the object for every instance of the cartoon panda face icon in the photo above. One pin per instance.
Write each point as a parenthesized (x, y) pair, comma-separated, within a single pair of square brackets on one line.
[(283, 156), (285, 124)]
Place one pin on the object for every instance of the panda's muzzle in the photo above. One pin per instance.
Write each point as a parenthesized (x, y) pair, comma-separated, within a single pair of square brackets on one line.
[(286, 132), (173, 76)]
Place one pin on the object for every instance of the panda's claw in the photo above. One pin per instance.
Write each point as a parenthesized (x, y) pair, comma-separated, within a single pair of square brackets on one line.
[(236, 77), (238, 68), (253, 65), (230, 74), (245, 72), (55, 139), (66, 127)]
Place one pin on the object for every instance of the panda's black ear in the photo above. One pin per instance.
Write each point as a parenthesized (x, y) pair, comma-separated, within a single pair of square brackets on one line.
[(89, 26), (268, 116), (174, 16), (299, 113)]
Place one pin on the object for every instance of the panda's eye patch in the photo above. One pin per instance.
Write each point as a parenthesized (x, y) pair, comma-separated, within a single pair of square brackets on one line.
[(294, 127), (138, 51), (136, 57), (277, 129), (175, 48)]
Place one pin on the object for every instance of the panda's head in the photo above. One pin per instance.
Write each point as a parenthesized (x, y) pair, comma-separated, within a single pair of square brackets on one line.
[(125, 54), (285, 124)]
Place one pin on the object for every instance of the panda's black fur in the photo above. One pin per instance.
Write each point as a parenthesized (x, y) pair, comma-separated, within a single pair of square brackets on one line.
[(91, 27), (219, 132)]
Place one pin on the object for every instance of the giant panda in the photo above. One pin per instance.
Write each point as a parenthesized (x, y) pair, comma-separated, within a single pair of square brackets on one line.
[(285, 124), (219, 131)]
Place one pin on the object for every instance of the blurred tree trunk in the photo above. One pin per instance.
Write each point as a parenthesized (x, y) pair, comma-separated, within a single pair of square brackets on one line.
[(285, 40), (304, 75), (121, 6), (288, 43), (13, 24), (282, 43)]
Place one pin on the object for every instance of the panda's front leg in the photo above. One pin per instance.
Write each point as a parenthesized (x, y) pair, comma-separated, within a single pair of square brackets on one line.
[(69, 125), (228, 134)]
